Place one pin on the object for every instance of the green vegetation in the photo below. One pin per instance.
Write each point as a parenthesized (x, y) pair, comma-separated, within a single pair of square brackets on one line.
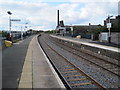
[(50, 31), (4, 34), (80, 29), (37, 32), (99, 29), (115, 28)]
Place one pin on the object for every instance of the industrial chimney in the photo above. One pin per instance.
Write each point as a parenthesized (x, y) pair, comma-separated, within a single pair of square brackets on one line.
[(58, 18)]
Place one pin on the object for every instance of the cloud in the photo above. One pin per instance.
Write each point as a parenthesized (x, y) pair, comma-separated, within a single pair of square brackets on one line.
[(43, 14), (119, 8), (92, 12), (25, 11), (85, 1)]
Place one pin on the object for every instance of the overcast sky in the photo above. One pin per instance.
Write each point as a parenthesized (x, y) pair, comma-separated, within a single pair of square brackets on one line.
[(42, 14)]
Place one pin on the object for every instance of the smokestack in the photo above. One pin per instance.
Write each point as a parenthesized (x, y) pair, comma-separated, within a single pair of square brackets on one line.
[(58, 18)]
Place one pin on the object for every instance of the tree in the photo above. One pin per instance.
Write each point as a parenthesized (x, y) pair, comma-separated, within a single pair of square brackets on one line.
[(4, 34), (98, 30)]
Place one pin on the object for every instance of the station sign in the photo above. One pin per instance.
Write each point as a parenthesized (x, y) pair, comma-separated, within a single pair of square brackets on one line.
[(15, 20), (108, 25)]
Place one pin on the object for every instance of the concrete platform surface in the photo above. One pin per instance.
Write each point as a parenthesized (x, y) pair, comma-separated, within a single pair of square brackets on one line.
[(87, 42), (37, 70)]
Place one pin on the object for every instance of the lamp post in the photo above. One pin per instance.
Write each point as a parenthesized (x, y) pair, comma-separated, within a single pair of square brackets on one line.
[(109, 26), (9, 22), (71, 29)]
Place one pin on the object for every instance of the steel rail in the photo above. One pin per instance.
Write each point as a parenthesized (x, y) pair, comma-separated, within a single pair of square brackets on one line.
[(68, 87), (88, 53), (86, 58), (89, 77)]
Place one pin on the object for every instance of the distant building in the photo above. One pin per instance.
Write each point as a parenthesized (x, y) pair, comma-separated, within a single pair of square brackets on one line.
[(84, 28), (61, 28), (77, 29)]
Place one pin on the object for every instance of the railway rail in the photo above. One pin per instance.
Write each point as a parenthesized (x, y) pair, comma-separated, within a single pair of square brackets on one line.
[(73, 75), (102, 63)]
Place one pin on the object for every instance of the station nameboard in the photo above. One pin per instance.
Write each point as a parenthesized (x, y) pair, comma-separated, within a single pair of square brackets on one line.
[(15, 20), (108, 25)]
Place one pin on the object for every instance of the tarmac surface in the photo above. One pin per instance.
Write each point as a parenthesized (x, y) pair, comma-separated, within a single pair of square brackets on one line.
[(37, 70), (25, 65), (12, 63)]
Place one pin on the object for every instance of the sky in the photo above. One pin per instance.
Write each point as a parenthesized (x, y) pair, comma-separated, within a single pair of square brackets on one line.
[(42, 14)]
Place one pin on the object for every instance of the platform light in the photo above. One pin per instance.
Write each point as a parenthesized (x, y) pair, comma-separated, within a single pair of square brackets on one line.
[(9, 21)]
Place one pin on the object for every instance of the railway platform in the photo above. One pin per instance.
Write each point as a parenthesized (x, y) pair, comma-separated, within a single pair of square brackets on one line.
[(105, 51), (89, 42), (37, 71)]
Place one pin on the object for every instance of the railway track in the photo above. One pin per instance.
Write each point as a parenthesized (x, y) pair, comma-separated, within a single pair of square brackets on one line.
[(73, 75), (106, 65)]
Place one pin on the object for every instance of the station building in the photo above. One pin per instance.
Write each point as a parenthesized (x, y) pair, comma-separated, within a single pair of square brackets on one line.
[(89, 31)]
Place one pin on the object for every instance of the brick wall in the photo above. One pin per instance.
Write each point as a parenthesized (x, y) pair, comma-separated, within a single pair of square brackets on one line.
[(115, 38)]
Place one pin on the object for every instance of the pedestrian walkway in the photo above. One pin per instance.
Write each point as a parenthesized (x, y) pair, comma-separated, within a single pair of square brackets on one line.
[(12, 62), (89, 43), (37, 70)]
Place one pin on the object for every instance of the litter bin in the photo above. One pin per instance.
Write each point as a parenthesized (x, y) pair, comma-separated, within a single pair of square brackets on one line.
[(8, 43)]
